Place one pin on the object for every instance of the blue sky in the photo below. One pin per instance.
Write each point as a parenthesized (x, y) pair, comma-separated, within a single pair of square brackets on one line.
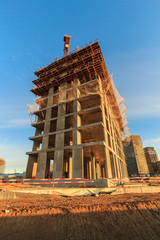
[(32, 36)]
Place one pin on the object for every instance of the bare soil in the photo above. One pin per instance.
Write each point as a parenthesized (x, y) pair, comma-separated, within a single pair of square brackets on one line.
[(129, 216)]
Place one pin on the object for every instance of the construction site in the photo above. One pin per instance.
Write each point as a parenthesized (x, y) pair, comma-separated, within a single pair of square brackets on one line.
[(76, 184), (78, 119)]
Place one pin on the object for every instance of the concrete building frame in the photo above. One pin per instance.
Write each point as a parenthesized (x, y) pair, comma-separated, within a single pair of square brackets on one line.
[(78, 124)]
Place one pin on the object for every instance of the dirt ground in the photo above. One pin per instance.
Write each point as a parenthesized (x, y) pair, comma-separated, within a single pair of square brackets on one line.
[(129, 216)]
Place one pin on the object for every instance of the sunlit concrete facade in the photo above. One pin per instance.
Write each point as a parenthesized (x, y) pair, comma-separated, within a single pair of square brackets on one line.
[(78, 126), (135, 157)]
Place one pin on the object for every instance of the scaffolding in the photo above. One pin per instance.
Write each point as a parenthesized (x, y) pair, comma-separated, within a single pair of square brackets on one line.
[(120, 101), (76, 102)]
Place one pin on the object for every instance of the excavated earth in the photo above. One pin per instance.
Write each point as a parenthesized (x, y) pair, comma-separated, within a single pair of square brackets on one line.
[(128, 216)]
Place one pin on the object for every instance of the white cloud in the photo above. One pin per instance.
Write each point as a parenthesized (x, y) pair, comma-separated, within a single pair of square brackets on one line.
[(152, 141), (144, 106), (16, 123)]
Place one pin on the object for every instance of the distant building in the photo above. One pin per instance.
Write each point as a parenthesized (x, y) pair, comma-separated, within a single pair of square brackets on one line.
[(135, 157), (152, 159), (2, 165), (151, 154), (157, 167)]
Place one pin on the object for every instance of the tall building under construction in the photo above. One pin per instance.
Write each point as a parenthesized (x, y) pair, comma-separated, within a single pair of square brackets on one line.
[(135, 156), (78, 127)]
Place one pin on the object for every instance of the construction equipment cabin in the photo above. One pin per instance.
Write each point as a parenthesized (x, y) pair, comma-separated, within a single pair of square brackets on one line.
[(78, 130)]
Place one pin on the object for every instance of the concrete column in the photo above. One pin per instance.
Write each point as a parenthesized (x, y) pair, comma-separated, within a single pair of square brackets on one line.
[(47, 168), (98, 170), (31, 169), (103, 171), (107, 170), (59, 143), (125, 170), (59, 140), (76, 117), (77, 152), (42, 156), (113, 144), (93, 166), (30, 166), (117, 167), (120, 169), (87, 169), (86, 166), (114, 157), (41, 165), (67, 166), (70, 165), (58, 163), (77, 164), (34, 170), (90, 169)]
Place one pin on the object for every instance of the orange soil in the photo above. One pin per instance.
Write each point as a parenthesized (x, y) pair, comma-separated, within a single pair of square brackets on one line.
[(129, 216)]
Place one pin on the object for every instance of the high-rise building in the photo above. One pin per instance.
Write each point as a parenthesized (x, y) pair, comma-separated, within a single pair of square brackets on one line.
[(151, 154), (156, 167), (135, 157), (152, 159), (79, 127)]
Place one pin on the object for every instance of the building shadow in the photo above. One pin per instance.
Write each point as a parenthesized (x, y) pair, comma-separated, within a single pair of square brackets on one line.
[(89, 224)]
